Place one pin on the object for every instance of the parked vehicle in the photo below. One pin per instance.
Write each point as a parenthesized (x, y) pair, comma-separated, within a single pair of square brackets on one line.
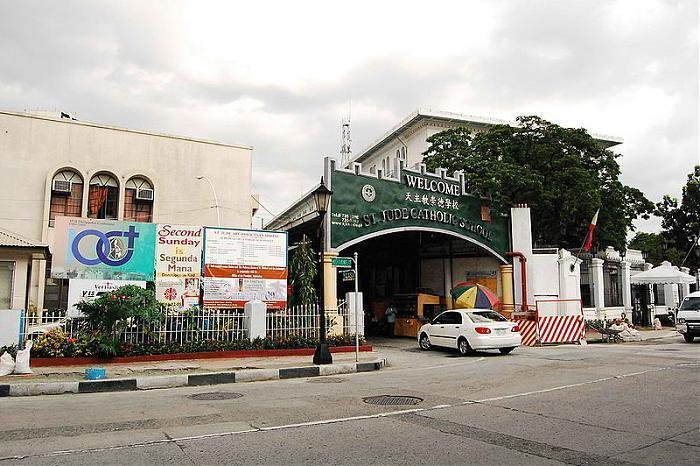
[(468, 330), (688, 317)]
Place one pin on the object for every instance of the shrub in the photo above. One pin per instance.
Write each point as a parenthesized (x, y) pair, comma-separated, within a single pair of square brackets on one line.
[(56, 344)]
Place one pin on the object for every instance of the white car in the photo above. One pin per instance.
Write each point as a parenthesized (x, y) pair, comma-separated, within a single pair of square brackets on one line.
[(469, 330), (688, 317)]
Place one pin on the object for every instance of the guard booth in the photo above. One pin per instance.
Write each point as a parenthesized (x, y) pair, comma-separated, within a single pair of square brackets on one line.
[(417, 234)]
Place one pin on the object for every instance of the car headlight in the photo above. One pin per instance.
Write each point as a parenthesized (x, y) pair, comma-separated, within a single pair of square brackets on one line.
[(681, 320)]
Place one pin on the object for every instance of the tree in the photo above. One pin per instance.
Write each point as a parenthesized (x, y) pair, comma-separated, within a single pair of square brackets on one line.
[(681, 221), (657, 248), (563, 174), (303, 268)]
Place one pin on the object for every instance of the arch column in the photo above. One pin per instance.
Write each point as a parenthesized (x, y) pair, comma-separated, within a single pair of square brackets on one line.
[(330, 294), (508, 301)]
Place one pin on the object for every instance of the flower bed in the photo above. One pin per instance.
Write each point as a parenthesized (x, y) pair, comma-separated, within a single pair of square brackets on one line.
[(56, 344), (79, 361)]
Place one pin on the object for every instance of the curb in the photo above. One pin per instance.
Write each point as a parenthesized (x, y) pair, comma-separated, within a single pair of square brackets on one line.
[(185, 380)]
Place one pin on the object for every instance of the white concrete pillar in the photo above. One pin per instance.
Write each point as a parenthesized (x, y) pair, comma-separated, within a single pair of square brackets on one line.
[(255, 313), (521, 232), (597, 284), (569, 283), (685, 288), (569, 276), (625, 278), (350, 299)]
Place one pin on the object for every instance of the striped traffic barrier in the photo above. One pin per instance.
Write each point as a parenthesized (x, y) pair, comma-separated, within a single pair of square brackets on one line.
[(528, 332), (561, 329)]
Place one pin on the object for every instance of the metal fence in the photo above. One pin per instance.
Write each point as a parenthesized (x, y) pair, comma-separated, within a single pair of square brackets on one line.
[(175, 327), (205, 324)]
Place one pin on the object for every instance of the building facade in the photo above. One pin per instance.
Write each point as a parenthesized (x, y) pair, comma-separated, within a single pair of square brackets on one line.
[(379, 198), (61, 167), (407, 141)]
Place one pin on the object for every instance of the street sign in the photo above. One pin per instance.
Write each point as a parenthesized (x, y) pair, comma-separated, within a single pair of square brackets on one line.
[(342, 262), (348, 275)]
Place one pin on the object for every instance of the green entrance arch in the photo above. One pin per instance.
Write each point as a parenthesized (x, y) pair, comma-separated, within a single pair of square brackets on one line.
[(389, 231), (369, 205)]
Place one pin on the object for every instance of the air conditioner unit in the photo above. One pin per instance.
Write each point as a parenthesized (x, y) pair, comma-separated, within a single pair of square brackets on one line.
[(61, 186), (144, 194)]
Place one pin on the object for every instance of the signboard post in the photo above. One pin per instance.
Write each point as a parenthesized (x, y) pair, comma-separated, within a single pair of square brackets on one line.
[(357, 311), (352, 274)]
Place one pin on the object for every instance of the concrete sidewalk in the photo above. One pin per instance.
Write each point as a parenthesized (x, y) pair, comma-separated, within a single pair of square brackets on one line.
[(168, 374), (646, 334)]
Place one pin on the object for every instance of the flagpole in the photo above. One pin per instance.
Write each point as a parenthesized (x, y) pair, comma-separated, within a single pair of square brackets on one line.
[(585, 238), (593, 223)]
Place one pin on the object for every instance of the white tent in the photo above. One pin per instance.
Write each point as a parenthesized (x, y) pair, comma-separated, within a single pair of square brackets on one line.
[(665, 273)]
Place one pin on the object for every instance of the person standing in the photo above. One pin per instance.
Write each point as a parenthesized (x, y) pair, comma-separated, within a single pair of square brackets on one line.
[(390, 316)]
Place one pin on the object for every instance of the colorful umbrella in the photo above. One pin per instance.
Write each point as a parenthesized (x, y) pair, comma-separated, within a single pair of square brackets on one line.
[(474, 296)]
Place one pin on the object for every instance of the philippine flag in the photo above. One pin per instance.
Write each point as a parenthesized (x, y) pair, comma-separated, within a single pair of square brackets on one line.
[(589, 237)]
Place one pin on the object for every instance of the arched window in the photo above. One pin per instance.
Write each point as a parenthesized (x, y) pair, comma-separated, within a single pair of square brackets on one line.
[(138, 200), (103, 197), (66, 195)]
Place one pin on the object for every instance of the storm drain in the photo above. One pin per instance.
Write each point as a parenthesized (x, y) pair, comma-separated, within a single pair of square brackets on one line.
[(392, 400), (667, 349), (214, 396), (326, 380)]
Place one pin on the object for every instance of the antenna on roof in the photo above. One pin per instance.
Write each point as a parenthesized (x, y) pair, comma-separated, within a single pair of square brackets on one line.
[(345, 149)]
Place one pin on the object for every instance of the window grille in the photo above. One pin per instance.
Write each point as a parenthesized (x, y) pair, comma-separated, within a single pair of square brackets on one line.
[(68, 204), (586, 289), (612, 283), (137, 210)]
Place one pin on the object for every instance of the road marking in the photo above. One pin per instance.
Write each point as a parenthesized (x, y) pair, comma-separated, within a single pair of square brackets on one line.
[(333, 421)]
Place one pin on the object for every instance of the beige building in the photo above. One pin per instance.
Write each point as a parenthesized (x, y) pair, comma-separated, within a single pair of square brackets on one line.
[(61, 167), (408, 139)]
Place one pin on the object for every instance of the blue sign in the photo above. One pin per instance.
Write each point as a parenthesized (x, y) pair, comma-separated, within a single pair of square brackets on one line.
[(103, 249)]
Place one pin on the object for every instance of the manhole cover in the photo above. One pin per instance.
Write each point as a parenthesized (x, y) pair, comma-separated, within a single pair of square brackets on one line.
[(326, 380), (213, 396), (392, 400)]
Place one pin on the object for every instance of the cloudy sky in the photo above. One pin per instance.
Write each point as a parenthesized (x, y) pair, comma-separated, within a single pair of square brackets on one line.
[(279, 75)]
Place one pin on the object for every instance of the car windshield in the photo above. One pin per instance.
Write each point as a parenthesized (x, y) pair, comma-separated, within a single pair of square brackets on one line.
[(486, 316), (691, 304)]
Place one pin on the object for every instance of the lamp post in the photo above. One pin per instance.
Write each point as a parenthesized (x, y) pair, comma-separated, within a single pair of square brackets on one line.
[(216, 200), (322, 197)]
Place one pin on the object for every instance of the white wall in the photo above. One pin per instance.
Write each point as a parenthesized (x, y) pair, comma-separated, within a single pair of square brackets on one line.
[(21, 261), (543, 276)]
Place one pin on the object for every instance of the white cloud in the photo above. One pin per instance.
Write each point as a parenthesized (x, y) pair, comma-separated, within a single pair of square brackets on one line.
[(278, 75)]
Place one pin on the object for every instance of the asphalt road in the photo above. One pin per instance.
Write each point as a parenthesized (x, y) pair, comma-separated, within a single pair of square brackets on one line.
[(597, 404)]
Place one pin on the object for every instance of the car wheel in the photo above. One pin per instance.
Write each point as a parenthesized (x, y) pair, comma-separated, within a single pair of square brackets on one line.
[(463, 347), (688, 338), (424, 342), (506, 350)]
